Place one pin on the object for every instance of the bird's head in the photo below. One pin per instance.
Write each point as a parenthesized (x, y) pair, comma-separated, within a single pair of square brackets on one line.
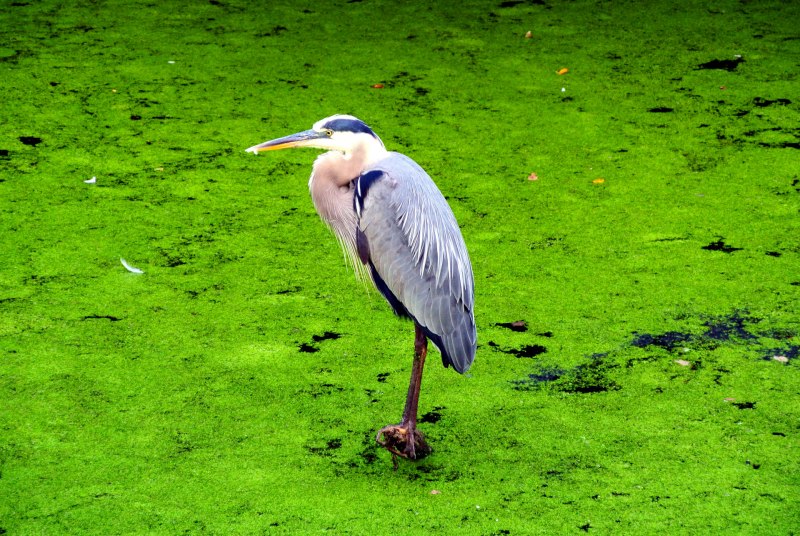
[(343, 133)]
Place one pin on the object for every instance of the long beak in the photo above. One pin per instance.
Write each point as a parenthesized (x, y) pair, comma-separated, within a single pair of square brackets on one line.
[(295, 140)]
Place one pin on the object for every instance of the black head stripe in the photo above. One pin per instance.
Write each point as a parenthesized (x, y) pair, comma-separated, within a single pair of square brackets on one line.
[(349, 125)]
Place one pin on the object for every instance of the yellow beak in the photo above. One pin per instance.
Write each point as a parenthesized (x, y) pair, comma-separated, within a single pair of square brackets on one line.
[(295, 140)]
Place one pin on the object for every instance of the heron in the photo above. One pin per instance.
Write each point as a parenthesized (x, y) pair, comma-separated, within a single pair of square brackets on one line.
[(399, 233)]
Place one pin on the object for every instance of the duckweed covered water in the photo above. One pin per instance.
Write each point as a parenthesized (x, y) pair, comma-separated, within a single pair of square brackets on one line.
[(636, 302)]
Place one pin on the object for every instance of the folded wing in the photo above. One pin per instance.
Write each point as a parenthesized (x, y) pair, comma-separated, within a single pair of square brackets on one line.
[(410, 241)]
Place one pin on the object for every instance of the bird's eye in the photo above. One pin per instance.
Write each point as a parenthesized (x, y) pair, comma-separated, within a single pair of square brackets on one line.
[(329, 132)]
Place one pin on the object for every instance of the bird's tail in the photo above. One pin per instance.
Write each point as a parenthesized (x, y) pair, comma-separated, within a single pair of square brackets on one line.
[(457, 347)]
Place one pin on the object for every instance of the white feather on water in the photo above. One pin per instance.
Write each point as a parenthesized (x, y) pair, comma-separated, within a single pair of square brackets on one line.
[(130, 268)]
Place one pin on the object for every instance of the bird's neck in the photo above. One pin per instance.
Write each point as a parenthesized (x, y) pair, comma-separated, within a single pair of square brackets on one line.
[(340, 168), (366, 154)]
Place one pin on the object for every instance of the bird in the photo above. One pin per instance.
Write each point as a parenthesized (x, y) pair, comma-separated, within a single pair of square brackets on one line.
[(400, 234)]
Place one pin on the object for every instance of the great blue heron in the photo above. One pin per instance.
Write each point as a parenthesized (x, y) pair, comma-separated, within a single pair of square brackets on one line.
[(399, 232)]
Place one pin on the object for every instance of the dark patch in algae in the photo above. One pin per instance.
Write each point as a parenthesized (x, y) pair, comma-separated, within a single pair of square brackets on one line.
[(790, 352), (723, 328), (719, 329), (586, 378), (327, 450), (433, 416), (669, 340), (33, 141), (529, 350), (763, 103), (591, 377), (514, 3), (322, 389), (289, 290), (99, 317), (725, 65), (720, 245), (326, 336), (517, 325), (547, 375)]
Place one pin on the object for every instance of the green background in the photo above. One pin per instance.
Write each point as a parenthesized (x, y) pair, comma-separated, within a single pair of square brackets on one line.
[(235, 386)]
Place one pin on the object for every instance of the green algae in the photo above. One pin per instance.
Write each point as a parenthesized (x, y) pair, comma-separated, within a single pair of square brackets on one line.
[(187, 399)]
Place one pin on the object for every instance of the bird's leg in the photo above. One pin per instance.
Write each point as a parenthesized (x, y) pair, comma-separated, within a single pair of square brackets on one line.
[(412, 398), (403, 439)]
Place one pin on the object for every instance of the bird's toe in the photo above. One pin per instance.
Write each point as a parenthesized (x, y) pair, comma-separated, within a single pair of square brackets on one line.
[(404, 441)]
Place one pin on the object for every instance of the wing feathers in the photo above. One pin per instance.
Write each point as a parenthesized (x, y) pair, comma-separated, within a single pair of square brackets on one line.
[(416, 250)]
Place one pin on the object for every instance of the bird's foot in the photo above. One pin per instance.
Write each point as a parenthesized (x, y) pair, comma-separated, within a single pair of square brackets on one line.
[(403, 440)]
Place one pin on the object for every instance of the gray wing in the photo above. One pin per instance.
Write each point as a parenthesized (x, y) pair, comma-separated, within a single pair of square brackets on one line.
[(410, 240)]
